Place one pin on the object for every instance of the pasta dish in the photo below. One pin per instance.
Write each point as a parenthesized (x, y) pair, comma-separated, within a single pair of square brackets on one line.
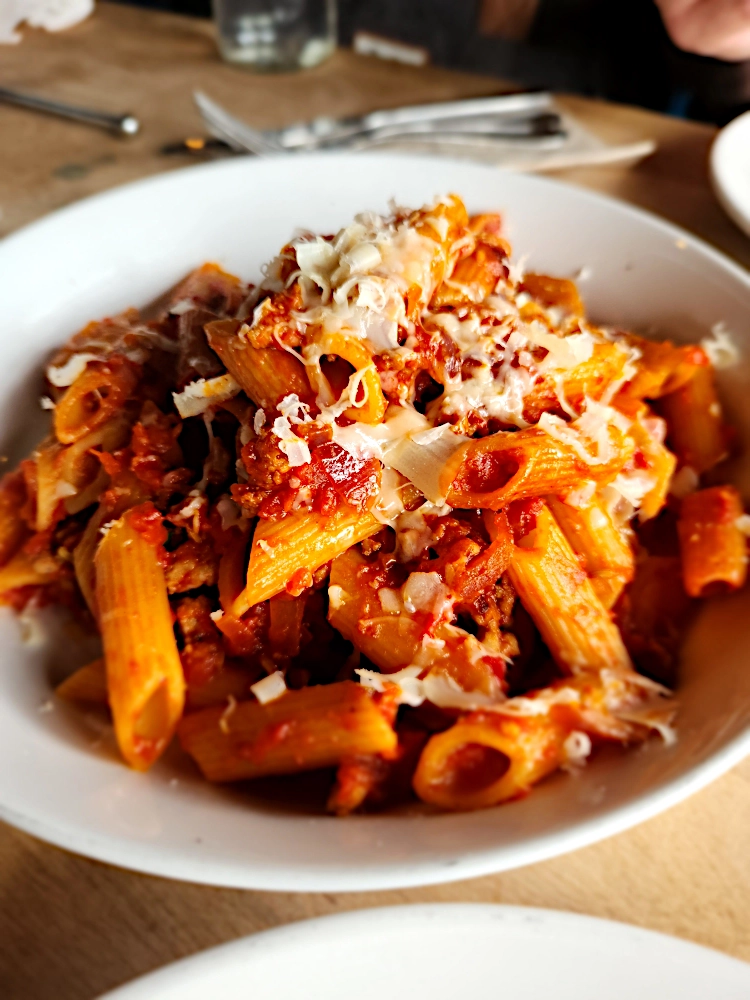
[(400, 514)]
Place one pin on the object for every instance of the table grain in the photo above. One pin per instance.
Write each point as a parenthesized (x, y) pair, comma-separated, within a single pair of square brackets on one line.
[(71, 928)]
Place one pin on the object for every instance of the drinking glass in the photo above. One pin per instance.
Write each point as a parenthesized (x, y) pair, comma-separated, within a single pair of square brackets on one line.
[(276, 34)]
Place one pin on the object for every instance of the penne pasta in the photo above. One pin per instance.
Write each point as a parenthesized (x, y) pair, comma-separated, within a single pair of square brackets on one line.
[(712, 544), (657, 463), (88, 684), (493, 471), (558, 293), (267, 374), (300, 731), (144, 675), (28, 569), (604, 548), (695, 429), (13, 527), (662, 368), (395, 640), (233, 569), (473, 278), (368, 401), (99, 394), (48, 483), (284, 554), (485, 759), (589, 380), (562, 601)]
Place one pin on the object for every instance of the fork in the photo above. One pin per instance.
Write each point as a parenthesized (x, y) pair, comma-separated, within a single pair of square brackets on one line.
[(241, 137), (542, 127)]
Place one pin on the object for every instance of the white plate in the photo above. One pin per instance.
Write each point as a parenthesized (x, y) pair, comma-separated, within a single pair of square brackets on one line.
[(129, 245), (730, 170), (448, 951)]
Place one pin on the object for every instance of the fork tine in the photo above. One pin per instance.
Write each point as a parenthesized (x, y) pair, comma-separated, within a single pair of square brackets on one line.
[(237, 133)]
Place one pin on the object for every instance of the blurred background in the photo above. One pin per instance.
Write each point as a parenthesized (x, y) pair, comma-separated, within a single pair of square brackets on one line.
[(682, 57)]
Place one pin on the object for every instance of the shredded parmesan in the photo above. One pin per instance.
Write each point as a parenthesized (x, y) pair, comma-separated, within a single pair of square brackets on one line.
[(336, 596), (576, 749), (294, 447), (721, 350), (269, 688), (198, 396), (64, 375), (227, 714)]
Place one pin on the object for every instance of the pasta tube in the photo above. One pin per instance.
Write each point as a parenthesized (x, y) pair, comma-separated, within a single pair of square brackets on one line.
[(491, 472), (393, 641), (300, 731), (661, 367), (713, 548), (48, 482), (694, 422), (660, 465), (99, 394), (28, 570), (560, 293), (369, 402), (485, 759), (144, 674), (87, 684), (604, 548), (267, 374), (286, 553), (13, 529), (587, 380), (562, 601), (473, 278)]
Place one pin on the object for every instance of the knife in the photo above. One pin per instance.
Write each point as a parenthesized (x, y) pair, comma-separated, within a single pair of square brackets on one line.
[(322, 131)]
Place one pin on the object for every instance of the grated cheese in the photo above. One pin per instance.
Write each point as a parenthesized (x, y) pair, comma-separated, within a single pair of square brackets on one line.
[(64, 375), (199, 395), (269, 688), (294, 447), (721, 350)]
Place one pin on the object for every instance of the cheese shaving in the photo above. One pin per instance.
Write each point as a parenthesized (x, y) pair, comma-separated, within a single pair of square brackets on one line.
[(721, 350), (199, 395), (64, 375), (269, 688)]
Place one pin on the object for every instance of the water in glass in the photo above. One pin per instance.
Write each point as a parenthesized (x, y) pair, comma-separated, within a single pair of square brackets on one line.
[(276, 34)]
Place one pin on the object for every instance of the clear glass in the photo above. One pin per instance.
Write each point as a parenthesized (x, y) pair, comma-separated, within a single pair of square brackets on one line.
[(276, 35)]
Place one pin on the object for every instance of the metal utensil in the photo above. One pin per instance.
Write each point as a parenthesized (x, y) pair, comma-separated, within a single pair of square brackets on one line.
[(241, 137), (516, 106), (121, 124), (510, 124)]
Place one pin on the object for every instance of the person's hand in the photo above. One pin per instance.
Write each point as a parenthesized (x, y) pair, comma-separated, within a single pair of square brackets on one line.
[(717, 28)]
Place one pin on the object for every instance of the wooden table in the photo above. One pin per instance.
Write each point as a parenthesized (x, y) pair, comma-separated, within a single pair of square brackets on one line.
[(71, 928)]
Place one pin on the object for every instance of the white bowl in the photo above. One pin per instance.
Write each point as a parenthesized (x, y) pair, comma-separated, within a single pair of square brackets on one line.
[(60, 781), (445, 951), (730, 170)]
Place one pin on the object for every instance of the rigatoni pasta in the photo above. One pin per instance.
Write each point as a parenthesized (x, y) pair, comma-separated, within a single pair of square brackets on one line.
[(400, 514)]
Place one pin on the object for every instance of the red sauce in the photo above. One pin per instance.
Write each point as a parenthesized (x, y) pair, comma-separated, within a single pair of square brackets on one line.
[(149, 523), (522, 515)]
